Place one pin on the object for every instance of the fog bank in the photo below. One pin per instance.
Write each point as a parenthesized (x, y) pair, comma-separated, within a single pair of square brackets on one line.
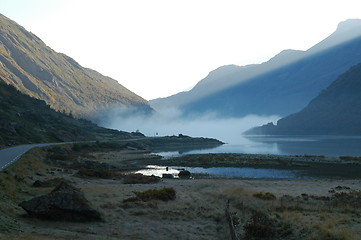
[(168, 122)]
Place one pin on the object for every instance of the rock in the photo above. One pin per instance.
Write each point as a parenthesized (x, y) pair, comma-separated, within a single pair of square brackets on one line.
[(167, 175), (65, 202), (48, 183)]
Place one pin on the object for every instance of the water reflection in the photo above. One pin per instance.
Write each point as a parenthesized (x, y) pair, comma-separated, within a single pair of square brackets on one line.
[(285, 145), (313, 145), (159, 171), (225, 172)]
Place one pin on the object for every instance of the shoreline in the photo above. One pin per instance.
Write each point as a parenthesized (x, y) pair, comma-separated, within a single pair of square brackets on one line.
[(312, 166)]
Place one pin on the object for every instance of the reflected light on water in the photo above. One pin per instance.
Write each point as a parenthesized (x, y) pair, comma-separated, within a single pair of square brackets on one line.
[(224, 172), (158, 171), (285, 145)]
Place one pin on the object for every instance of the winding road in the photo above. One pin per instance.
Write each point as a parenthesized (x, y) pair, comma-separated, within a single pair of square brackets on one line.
[(10, 155)]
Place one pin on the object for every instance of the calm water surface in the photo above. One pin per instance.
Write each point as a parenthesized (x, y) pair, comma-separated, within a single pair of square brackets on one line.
[(286, 145), (282, 145), (225, 172)]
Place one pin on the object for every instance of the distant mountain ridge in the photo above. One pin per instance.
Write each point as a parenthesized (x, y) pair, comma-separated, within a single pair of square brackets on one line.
[(280, 86), (335, 111), (35, 69)]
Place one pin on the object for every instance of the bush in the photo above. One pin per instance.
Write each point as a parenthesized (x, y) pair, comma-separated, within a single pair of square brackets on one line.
[(265, 196), (140, 179), (184, 174), (350, 158), (260, 226), (98, 173), (164, 194), (352, 199)]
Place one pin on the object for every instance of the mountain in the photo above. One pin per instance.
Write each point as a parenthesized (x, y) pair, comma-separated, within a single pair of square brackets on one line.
[(37, 70), (24, 119), (335, 111), (283, 85)]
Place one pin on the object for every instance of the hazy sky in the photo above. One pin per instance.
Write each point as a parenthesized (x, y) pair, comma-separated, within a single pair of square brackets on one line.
[(160, 47)]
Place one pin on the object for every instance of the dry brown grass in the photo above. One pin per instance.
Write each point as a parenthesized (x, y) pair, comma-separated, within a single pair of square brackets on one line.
[(300, 209), (29, 237), (264, 195), (137, 178)]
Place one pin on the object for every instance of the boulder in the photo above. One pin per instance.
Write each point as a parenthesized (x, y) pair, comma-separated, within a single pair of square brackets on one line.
[(167, 175), (65, 203), (49, 183)]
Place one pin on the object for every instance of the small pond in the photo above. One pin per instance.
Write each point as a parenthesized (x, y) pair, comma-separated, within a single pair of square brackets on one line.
[(225, 172)]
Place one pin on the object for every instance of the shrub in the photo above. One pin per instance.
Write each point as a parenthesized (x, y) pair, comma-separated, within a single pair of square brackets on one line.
[(164, 194), (98, 173), (352, 198), (265, 196), (260, 226), (184, 174), (140, 179), (334, 233), (350, 158)]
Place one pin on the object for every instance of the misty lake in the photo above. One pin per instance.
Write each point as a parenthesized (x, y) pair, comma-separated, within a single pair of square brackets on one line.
[(285, 145)]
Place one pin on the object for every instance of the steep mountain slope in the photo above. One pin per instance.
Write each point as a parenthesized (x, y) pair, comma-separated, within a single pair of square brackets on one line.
[(24, 119), (335, 111), (35, 69), (283, 85)]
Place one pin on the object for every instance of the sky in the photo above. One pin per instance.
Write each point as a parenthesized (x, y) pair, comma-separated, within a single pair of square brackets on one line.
[(161, 47)]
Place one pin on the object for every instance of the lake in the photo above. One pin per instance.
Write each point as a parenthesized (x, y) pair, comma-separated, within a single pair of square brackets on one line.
[(280, 145), (286, 145)]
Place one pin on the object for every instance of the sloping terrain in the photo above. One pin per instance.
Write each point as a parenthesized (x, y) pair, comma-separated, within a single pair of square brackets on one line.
[(335, 111), (283, 85), (37, 70), (24, 119)]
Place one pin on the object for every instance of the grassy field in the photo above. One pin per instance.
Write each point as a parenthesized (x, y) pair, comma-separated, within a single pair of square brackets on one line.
[(323, 209)]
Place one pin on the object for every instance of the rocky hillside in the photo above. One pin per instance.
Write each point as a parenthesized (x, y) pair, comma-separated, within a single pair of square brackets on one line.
[(335, 111), (35, 69), (24, 119)]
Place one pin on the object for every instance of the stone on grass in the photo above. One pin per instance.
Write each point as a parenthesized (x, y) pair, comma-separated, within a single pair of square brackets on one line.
[(65, 203)]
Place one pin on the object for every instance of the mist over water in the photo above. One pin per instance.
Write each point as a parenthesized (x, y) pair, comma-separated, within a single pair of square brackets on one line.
[(169, 122), (229, 131)]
